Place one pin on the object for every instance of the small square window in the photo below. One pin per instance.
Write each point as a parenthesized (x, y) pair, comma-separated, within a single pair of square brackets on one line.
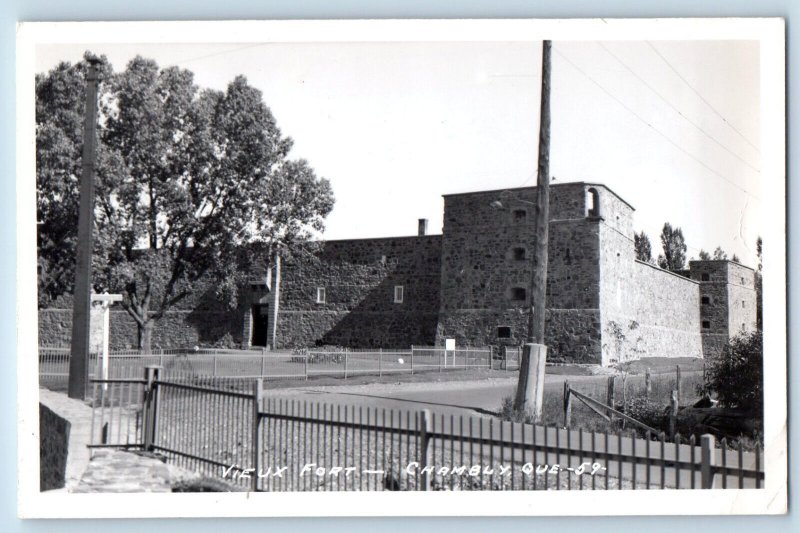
[(706, 324), (503, 332), (705, 300), (743, 281), (320, 295), (520, 216), (744, 304), (519, 254), (705, 277), (398, 294), (518, 294)]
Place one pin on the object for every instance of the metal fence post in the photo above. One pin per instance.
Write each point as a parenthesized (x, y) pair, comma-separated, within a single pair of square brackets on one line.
[(412, 359), (150, 406), (258, 397), (425, 455), (305, 366), (214, 372), (707, 461), (380, 362), (345, 363)]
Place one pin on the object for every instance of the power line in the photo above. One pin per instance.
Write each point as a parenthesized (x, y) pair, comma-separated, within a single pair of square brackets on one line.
[(221, 52), (695, 91), (678, 111), (667, 138)]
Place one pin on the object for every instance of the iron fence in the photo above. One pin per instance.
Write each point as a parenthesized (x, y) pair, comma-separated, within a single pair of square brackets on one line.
[(281, 445), (242, 364)]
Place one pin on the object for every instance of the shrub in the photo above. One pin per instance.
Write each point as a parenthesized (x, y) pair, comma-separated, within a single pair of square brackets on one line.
[(509, 413), (736, 375), (648, 412)]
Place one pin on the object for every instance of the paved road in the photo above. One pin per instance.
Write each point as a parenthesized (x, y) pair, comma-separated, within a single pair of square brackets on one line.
[(456, 398)]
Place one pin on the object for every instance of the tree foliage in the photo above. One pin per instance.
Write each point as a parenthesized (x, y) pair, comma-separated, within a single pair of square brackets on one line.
[(185, 178), (759, 287), (704, 256), (674, 247), (736, 375), (720, 254), (642, 247)]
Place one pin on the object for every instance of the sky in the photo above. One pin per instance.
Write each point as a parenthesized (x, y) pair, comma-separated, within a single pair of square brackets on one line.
[(673, 127)]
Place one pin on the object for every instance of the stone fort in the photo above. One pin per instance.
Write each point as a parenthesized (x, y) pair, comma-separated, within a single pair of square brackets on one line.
[(472, 283)]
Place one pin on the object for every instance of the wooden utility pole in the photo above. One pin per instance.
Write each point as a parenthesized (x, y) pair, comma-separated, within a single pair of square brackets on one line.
[(530, 388), (81, 309)]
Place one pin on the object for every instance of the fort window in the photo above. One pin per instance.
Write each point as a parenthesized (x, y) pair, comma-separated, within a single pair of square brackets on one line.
[(705, 300), (398, 294), (706, 324), (743, 282), (520, 216), (518, 294), (743, 304), (503, 332), (320, 295), (519, 254), (592, 203), (705, 277)]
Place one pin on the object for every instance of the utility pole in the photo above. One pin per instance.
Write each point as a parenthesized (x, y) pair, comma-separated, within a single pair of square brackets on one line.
[(81, 310), (530, 388)]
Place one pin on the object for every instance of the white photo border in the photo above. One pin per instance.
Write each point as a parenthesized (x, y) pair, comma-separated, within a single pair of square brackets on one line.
[(770, 500)]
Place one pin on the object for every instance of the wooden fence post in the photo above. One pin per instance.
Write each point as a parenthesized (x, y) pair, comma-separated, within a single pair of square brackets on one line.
[(424, 446), (215, 367), (305, 366), (567, 404), (258, 397), (380, 362), (678, 381), (345, 363), (673, 413), (610, 397), (412, 359), (648, 384), (707, 461)]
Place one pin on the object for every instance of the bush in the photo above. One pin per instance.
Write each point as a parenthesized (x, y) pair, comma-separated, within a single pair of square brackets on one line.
[(736, 375), (648, 412), (509, 413)]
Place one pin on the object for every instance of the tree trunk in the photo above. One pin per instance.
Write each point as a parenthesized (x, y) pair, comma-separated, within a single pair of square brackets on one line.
[(145, 336)]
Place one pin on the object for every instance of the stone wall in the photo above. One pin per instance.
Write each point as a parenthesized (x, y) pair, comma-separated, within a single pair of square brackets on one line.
[(728, 304), (741, 299), (359, 279), (481, 270), (181, 328), (53, 449)]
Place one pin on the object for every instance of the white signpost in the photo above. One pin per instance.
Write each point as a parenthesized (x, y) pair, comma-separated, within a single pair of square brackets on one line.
[(105, 300), (450, 346)]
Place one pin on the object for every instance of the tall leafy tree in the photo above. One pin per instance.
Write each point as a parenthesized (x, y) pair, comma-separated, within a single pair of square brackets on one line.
[(704, 256), (189, 178), (759, 286), (720, 254), (642, 247), (674, 248)]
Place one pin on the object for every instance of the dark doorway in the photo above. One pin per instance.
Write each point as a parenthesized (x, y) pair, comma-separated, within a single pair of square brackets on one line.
[(260, 325)]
